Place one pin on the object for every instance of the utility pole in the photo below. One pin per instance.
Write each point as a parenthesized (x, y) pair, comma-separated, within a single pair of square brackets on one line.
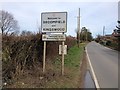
[(86, 35), (103, 31), (78, 27), (104, 35)]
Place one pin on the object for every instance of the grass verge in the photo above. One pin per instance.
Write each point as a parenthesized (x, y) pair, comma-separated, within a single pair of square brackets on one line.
[(72, 69)]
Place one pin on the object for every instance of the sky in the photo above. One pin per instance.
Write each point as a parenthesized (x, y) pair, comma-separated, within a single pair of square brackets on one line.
[(93, 15)]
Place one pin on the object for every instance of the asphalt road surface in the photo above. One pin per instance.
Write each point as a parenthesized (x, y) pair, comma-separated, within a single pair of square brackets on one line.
[(105, 64)]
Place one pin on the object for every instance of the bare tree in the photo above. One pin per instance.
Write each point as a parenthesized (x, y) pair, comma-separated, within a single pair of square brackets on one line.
[(8, 24)]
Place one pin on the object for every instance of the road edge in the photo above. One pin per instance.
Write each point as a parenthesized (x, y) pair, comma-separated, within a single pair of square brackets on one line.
[(92, 70)]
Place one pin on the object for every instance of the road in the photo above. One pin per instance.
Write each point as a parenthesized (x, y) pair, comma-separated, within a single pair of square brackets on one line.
[(105, 64)]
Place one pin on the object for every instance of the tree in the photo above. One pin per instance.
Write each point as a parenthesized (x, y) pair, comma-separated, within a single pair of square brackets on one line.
[(118, 28), (89, 36), (8, 24), (77, 36), (98, 38), (85, 35)]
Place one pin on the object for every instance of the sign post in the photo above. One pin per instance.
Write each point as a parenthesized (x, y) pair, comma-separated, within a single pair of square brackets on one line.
[(63, 58), (53, 22), (44, 55)]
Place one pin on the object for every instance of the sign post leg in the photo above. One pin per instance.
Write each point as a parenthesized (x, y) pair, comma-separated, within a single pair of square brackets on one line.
[(63, 58), (44, 55)]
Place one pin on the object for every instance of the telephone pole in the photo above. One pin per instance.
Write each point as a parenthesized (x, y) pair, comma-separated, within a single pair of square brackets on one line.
[(103, 31), (78, 27)]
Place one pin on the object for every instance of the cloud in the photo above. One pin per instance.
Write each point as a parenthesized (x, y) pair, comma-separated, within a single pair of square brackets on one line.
[(94, 15)]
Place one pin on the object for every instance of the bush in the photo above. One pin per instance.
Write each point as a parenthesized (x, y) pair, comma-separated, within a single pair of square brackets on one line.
[(96, 40), (101, 42), (108, 43), (22, 53), (115, 46)]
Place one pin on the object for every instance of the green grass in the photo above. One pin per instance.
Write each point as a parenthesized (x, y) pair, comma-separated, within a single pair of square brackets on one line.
[(72, 68), (72, 59)]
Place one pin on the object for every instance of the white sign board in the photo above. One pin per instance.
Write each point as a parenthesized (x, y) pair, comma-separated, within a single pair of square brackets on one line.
[(54, 22), (64, 49), (53, 37)]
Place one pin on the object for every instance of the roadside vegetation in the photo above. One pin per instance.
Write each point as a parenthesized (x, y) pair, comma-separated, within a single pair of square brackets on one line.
[(22, 54), (22, 63), (73, 60), (111, 40), (112, 43)]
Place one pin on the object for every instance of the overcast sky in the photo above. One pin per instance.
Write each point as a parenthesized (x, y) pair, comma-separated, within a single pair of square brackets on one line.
[(94, 15)]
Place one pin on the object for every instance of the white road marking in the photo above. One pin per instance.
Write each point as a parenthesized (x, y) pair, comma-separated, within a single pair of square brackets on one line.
[(92, 70)]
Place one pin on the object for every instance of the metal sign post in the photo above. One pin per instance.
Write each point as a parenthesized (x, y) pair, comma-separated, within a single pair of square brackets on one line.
[(63, 58), (44, 55)]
